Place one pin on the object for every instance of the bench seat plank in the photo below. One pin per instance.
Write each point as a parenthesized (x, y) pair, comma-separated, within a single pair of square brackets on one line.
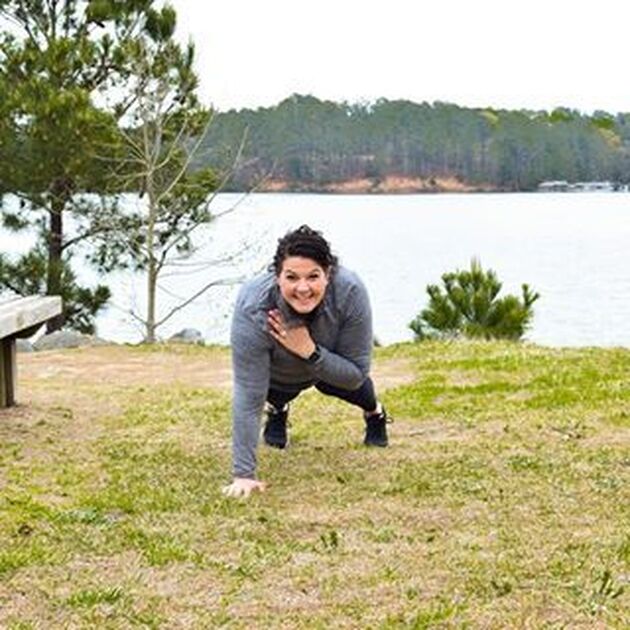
[(23, 313)]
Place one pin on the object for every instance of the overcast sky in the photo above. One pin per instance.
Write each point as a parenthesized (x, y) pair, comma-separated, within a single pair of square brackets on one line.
[(538, 54)]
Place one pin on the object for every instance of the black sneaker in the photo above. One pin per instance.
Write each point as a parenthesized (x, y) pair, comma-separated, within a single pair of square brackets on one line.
[(376, 429), (275, 431)]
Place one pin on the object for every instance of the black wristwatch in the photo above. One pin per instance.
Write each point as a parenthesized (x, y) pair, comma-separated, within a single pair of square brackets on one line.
[(314, 356)]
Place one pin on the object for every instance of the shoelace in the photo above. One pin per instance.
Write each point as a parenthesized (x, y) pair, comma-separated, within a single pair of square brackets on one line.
[(388, 419)]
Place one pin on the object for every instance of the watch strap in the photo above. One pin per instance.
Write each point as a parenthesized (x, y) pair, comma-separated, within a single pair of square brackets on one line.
[(314, 356)]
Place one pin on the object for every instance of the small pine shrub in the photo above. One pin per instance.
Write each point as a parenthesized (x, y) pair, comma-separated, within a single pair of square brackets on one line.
[(468, 306)]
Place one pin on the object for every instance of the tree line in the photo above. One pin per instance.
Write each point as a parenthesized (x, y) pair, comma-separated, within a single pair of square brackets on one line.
[(309, 143)]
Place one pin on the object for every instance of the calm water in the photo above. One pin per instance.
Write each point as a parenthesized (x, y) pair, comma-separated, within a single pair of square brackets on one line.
[(571, 248)]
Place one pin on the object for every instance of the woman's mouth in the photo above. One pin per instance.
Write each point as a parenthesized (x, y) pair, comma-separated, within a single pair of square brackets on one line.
[(304, 303)]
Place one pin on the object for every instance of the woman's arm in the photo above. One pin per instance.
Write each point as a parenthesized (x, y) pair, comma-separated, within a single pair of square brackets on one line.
[(250, 365), (348, 365)]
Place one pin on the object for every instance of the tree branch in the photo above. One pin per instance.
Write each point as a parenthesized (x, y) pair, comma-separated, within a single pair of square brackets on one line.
[(178, 176), (189, 231), (191, 268), (209, 285)]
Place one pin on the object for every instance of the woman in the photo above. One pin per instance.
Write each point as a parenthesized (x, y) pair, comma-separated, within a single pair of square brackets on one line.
[(305, 322)]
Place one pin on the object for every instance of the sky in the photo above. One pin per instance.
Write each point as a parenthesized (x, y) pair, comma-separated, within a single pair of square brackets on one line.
[(515, 54)]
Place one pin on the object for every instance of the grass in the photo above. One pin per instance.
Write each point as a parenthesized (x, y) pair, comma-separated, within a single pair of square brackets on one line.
[(502, 502)]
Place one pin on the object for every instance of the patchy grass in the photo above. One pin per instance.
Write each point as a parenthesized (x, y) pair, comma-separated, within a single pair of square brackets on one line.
[(503, 500)]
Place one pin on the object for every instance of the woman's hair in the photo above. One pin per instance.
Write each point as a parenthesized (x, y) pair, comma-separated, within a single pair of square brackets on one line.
[(307, 243)]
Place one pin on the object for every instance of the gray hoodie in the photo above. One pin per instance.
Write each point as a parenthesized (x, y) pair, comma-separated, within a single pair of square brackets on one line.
[(341, 326)]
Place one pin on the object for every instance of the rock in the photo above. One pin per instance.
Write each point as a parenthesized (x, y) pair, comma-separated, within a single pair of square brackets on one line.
[(24, 345), (188, 335), (67, 339)]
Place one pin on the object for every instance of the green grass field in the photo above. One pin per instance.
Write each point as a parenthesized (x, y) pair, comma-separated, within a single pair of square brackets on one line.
[(502, 502)]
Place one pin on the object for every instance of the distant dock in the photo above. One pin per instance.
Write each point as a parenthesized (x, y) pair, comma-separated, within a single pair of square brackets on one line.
[(564, 186)]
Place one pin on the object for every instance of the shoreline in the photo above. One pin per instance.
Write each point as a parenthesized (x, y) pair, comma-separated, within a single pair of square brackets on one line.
[(389, 185)]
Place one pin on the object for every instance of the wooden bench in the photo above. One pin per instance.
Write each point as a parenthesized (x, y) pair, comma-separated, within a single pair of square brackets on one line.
[(20, 317)]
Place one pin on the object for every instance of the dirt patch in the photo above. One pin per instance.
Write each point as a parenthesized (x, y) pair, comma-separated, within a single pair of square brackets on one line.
[(392, 373), (62, 394), (433, 430), (458, 378), (605, 436), (124, 366)]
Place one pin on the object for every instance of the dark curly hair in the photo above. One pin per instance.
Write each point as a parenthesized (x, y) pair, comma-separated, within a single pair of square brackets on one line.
[(307, 243)]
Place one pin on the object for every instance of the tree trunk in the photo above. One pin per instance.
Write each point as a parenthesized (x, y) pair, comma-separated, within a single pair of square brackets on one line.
[(60, 195), (151, 288), (152, 267)]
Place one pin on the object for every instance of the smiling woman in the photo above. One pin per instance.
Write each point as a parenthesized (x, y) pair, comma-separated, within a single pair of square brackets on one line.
[(305, 322)]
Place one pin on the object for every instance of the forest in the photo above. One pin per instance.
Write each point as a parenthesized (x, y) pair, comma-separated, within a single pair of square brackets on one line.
[(307, 144)]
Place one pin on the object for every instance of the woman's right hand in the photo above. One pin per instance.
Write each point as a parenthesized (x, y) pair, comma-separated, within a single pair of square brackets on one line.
[(243, 487)]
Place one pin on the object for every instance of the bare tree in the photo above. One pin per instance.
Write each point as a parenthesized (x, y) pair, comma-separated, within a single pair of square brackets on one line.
[(160, 146)]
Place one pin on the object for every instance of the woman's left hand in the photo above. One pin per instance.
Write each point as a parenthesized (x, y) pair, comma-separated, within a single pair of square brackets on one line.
[(297, 340)]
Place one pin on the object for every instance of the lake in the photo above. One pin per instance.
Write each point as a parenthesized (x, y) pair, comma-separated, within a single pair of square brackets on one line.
[(572, 248)]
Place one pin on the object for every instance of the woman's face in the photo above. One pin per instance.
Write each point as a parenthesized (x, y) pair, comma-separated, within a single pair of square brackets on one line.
[(302, 283)]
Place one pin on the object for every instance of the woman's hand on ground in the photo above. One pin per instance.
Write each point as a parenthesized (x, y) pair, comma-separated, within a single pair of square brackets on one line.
[(243, 487), (297, 339)]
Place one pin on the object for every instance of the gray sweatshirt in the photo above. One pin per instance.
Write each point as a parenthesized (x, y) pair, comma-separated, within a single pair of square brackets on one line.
[(341, 326)]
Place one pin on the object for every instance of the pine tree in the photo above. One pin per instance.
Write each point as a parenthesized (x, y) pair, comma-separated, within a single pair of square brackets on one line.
[(63, 72), (468, 306)]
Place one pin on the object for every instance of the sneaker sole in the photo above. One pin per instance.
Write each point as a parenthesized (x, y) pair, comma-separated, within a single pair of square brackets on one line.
[(279, 447), (379, 444)]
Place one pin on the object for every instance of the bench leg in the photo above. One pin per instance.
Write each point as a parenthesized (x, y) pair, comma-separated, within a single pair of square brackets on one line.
[(7, 372)]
